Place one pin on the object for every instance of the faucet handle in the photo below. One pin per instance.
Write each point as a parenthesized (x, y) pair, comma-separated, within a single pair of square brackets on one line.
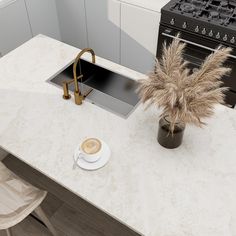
[(80, 77)]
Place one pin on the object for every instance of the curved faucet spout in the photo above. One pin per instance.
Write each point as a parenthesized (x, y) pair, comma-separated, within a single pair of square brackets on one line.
[(78, 96)]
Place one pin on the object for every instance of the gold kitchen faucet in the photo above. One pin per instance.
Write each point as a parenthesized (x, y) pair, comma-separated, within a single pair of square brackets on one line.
[(79, 97)]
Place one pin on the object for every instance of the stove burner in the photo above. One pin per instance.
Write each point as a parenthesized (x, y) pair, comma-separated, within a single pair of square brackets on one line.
[(214, 14), (187, 7), (222, 12), (224, 3)]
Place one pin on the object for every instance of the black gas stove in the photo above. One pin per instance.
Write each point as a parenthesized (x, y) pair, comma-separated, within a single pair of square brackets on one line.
[(214, 11), (204, 25)]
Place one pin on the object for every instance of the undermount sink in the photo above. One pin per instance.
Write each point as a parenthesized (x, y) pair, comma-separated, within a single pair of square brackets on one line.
[(111, 91)]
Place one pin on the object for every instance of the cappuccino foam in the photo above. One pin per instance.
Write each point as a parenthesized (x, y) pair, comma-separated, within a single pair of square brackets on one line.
[(91, 146)]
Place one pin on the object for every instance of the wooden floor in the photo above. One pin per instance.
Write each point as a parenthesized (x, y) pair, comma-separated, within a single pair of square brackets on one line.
[(28, 228), (64, 218), (70, 215)]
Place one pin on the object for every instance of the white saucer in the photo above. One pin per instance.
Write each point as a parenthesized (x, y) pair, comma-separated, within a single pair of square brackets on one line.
[(105, 156)]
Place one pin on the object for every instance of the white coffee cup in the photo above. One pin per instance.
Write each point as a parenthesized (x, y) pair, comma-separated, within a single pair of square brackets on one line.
[(90, 150)]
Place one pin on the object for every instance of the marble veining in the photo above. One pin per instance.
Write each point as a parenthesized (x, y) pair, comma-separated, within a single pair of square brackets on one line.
[(155, 191)]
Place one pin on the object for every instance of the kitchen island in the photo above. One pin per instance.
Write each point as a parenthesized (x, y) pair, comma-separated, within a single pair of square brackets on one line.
[(155, 191)]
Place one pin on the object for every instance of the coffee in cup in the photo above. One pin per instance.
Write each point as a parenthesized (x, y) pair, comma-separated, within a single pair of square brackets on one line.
[(90, 149), (91, 146)]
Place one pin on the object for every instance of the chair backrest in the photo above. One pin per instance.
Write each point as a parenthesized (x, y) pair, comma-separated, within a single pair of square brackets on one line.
[(16, 195)]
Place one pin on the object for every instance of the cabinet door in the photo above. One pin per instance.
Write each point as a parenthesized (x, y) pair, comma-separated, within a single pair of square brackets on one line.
[(3, 154), (14, 25), (43, 17), (103, 24), (72, 21), (139, 34)]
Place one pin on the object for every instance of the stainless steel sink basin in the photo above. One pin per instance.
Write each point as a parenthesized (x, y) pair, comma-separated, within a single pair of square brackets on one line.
[(111, 91)]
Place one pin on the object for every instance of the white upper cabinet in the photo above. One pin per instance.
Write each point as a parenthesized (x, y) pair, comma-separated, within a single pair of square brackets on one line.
[(118, 31), (103, 26), (72, 21), (139, 34), (14, 25), (43, 17), (154, 5)]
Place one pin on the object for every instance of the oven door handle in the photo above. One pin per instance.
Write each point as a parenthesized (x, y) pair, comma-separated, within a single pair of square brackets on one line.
[(194, 44)]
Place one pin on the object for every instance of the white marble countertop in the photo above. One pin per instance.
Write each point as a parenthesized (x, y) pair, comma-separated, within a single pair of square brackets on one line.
[(5, 3), (155, 191), (154, 5)]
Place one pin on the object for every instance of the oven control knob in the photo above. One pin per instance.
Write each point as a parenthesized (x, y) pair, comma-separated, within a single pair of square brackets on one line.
[(197, 29), (218, 35), (172, 22), (225, 38), (184, 25), (204, 31), (211, 33), (232, 40)]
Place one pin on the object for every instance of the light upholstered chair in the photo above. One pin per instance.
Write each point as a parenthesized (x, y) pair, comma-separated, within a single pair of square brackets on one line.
[(18, 199)]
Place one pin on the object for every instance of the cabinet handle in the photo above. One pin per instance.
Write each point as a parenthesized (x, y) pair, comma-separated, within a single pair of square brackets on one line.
[(6, 3)]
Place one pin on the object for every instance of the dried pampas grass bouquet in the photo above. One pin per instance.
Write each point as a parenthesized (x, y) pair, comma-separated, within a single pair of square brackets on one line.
[(185, 96)]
